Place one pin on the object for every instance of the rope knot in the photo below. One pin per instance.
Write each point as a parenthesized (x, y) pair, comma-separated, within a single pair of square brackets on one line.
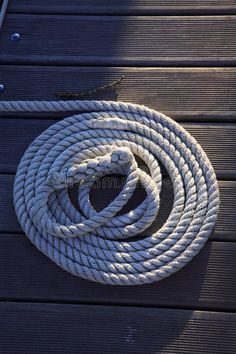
[(91, 168), (122, 155), (85, 173)]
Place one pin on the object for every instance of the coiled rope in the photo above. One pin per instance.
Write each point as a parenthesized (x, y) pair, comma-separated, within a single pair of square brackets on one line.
[(103, 139)]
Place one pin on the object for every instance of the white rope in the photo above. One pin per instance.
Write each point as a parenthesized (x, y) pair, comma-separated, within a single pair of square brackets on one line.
[(102, 140), (3, 11)]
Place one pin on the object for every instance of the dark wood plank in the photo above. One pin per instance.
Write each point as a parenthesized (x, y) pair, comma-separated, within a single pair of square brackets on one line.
[(153, 7), (84, 329), (183, 93), (207, 282), (119, 40), (225, 227), (218, 141), (55, 328)]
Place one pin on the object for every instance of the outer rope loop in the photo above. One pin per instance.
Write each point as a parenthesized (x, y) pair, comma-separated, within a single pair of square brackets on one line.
[(105, 138)]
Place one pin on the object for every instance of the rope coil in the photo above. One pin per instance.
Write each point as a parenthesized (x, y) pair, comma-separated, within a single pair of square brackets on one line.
[(104, 138)]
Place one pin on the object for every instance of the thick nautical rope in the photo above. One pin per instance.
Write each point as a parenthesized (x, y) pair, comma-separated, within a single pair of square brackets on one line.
[(3, 10), (101, 139)]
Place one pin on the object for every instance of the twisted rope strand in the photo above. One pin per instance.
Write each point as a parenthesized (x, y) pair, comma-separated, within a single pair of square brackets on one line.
[(103, 138)]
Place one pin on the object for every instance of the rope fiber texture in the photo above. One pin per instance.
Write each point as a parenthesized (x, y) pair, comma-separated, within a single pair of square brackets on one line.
[(103, 138)]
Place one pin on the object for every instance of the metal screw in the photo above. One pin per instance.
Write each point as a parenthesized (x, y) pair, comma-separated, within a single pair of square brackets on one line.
[(15, 37), (2, 87)]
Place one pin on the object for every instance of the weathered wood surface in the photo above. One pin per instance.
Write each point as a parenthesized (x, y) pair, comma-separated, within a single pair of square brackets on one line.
[(104, 329), (183, 93), (218, 140), (119, 40), (150, 43), (152, 7)]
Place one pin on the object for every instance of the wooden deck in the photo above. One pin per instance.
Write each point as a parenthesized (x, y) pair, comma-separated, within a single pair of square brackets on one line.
[(176, 56)]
